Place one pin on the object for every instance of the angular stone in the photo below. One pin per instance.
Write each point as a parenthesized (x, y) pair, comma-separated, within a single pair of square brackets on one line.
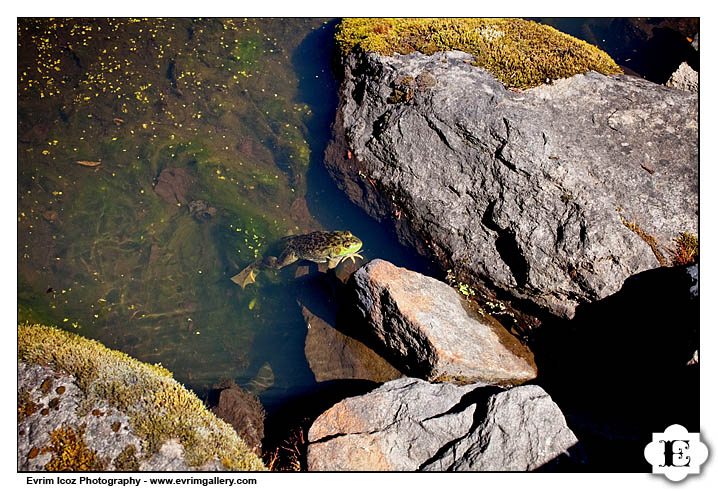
[(523, 430), (333, 355), (421, 325), (396, 427), (684, 78), (409, 424)]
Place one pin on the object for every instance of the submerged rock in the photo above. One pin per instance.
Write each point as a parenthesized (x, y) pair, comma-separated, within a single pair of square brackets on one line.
[(244, 412), (173, 185), (409, 424), (420, 324), (554, 195), (332, 355)]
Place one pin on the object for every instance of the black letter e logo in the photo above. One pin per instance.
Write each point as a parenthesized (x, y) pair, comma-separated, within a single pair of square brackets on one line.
[(668, 452)]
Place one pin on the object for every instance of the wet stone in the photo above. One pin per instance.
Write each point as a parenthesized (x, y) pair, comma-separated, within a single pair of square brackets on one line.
[(173, 185), (201, 211)]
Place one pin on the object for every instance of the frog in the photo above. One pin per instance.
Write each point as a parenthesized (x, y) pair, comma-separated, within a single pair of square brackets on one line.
[(319, 247)]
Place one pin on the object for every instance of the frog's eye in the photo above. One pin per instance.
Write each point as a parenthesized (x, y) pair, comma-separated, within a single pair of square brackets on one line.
[(347, 244)]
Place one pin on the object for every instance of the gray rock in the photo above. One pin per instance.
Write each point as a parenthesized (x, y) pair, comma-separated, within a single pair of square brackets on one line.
[(421, 325), (523, 430), (51, 401), (554, 195), (684, 78), (408, 424)]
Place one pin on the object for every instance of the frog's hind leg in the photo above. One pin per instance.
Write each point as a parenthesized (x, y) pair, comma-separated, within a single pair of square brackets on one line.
[(248, 275)]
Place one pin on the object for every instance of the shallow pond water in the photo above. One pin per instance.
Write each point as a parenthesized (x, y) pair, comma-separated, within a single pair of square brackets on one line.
[(122, 125), (125, 126)]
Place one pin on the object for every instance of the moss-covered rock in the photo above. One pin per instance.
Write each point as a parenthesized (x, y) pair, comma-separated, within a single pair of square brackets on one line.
[(518, 52), (106, 392)]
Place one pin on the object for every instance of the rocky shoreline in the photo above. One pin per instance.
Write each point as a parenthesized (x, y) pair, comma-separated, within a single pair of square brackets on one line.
[(573, 205), (565, 216)]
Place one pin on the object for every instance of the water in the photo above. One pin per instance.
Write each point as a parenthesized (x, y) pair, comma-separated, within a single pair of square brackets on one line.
[(651, 48), (109, 251), (243, 108)]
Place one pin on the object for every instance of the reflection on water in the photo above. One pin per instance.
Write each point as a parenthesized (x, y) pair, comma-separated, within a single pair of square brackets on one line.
[(157, 158)]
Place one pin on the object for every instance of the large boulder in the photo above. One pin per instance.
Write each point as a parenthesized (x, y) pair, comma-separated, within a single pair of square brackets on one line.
[(409, 424), (554, 195), (426, 330)]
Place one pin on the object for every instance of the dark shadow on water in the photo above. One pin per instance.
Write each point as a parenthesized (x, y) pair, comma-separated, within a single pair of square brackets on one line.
[(618, 369), (327, 203), (651, 48)]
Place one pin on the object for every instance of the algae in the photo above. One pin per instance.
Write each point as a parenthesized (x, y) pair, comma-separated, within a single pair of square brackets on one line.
[(520, 53), (99, 251)]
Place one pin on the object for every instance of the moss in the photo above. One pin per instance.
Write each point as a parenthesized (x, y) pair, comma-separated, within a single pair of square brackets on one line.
[(686, 251), (158, 406), (518, 52), (127, 459), (71, 452)]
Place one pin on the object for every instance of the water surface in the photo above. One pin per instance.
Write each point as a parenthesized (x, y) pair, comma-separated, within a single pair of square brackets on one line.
[(241, 110), (107, 247)]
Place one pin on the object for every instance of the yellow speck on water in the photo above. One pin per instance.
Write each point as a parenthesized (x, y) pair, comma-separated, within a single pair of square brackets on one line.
[(179, 204), (196, 332)]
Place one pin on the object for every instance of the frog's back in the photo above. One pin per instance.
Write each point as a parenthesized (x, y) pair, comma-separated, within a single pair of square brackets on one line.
[(314, 246)]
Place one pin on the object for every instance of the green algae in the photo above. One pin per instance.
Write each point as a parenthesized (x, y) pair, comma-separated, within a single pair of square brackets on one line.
[(214, 97), (519, 53)]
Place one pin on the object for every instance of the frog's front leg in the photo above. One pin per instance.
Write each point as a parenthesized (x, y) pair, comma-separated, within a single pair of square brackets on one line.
[(333, 262)]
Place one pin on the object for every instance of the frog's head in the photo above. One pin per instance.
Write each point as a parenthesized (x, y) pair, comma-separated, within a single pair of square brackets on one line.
[(344, 243)]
